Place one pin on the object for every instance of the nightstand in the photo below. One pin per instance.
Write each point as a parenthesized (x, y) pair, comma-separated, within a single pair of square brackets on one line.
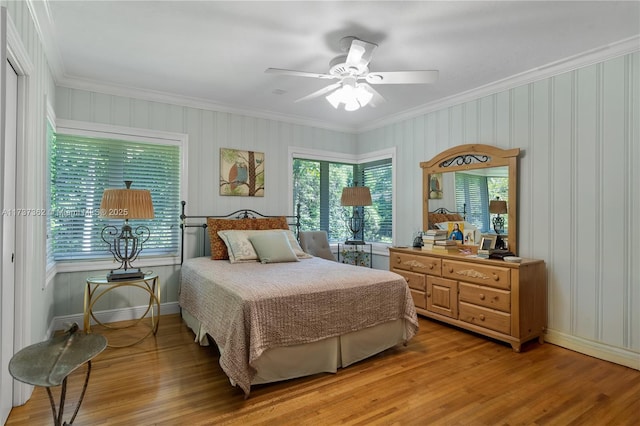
[(356, 254), (97, 287)]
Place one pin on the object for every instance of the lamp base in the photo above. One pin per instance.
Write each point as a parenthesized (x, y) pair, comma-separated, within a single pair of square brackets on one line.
[(122, 275)]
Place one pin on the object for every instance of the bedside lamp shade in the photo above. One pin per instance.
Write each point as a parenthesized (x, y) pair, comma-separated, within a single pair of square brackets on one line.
[(355, 196), (497, 206), (126, 204)]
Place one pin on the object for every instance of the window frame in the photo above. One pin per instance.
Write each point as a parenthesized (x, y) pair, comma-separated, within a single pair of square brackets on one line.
[(355, 159), (133, 134)]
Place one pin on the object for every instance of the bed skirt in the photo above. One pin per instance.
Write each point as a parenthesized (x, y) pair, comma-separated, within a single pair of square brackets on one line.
[(324, 356)]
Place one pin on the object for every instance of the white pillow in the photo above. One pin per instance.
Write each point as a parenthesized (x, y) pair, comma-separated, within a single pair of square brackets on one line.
[(273, 247), (238, 245), (241, 250)]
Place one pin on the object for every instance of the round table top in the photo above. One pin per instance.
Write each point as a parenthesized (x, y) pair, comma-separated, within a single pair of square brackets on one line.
[(103, 279)]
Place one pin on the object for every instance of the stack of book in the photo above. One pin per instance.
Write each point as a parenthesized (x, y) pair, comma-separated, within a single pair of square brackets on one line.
[(446, 245), (430, 237)]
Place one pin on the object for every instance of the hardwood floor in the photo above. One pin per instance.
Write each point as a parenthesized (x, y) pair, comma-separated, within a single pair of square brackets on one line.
[(444, 376)]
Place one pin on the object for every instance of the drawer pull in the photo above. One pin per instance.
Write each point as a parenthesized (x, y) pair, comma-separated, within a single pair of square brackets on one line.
[(481, 296), (481, 317), (428, 294), (398, 259), (496, 277)]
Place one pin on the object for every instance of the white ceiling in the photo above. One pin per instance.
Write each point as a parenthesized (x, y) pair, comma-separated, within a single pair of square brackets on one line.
[(214, 53)]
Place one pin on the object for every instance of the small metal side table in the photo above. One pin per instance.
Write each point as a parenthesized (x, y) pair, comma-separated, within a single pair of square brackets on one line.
[(49, 363), (356, 254), (97, 287)]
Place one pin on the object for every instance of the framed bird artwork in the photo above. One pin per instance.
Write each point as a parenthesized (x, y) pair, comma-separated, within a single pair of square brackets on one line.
[(241, 173)]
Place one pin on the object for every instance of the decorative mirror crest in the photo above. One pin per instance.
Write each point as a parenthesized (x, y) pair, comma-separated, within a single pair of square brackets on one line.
[(461, 160)]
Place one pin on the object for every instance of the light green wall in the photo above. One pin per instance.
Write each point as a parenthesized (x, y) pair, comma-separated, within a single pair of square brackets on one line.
[(579, 135)]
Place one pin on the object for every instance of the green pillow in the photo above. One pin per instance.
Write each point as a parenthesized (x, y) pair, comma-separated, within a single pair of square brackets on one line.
[(273, 247)]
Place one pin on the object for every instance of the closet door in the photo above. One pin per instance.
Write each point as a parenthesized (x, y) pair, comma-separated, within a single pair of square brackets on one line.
[(8, 127)]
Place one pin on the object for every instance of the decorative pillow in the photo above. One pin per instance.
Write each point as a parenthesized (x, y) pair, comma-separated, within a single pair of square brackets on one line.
[(238, 245), (240, 248), (273, 247), (295, 245), (218, 246)]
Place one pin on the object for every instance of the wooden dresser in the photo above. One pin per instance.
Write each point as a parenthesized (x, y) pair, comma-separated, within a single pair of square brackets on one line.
[(506, 301)]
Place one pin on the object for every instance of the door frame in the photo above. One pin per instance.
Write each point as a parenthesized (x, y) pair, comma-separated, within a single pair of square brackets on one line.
[(19, 58)]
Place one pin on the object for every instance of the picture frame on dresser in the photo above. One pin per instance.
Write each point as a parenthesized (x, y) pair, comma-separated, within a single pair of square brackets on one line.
[(488, 242)]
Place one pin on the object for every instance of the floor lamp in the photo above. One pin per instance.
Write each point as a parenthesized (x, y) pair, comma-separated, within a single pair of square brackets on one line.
[(126, 244)]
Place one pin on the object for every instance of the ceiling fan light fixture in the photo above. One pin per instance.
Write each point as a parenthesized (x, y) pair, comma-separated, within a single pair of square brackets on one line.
[(352, 105), (334, 98), (363, 95), (352, 96)]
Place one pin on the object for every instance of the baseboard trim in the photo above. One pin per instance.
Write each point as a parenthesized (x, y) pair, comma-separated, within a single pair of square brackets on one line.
[(614, 354), (112, 315)]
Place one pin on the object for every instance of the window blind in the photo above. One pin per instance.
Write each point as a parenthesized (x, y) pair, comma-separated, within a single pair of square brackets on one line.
[(317, 186), (377, 176), (472, 191), (83, 167)]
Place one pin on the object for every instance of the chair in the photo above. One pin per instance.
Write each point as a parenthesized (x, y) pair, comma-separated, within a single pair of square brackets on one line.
[(316, 243)]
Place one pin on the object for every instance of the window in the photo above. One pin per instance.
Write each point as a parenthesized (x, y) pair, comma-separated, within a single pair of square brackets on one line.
[(317, 187), (473, 192), (84, 164)]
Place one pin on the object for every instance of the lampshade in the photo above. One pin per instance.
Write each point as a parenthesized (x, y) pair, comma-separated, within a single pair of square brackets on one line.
[(126, 203), (497, 206), (355, 196)]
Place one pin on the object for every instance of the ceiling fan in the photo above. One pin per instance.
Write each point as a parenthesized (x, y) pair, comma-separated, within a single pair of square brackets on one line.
[(353, 88)]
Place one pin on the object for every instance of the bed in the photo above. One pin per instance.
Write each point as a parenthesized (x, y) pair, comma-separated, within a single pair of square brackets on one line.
[(278, 320)]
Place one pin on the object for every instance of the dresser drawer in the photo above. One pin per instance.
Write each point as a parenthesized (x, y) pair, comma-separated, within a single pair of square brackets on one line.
[(490, 275), (483, 317), (419, 299), (415, 281), (485, 296), (416, 263)]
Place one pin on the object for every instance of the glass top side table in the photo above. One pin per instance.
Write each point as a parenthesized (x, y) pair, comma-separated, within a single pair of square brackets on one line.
[(98, 286), (356, 254)]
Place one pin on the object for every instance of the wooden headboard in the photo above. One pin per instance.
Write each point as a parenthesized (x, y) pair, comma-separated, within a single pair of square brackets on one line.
[(200, 221)]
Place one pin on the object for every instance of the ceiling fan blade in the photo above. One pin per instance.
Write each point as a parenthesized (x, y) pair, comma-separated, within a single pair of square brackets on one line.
[(402, 77), (320, 92), (360, 53), (377, 98), (299, 73)]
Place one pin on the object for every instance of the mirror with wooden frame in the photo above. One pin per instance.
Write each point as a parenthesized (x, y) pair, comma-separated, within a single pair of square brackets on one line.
[(465, 178)]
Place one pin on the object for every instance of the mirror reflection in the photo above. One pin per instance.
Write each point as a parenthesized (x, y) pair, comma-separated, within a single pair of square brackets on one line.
[(476, 186), (480, 196)]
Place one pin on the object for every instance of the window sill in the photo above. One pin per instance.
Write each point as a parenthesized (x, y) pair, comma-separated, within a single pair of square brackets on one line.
[(378, 249), (103, 264)]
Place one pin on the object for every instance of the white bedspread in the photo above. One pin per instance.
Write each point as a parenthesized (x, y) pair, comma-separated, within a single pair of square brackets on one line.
[(251, 307)]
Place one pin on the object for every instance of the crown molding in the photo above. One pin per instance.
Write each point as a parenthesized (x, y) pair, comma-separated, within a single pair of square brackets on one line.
[(191, 102), (590, 57), (43, 22), (45, 28)]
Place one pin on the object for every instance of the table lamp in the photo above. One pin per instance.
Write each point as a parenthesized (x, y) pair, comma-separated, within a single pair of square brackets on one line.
[(355, 196), (498, 207), (125, 245)]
